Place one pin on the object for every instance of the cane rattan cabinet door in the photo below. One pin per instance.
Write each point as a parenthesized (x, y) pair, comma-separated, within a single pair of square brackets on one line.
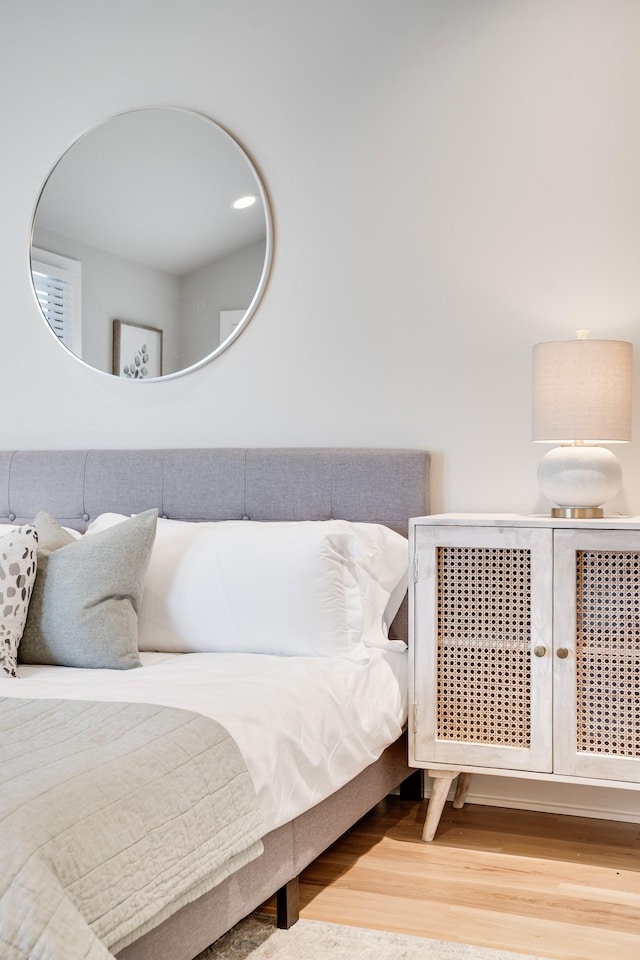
[(597, 654), (481, 628)]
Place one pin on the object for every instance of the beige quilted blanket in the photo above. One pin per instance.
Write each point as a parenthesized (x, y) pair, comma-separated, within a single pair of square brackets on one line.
[(112, 815)]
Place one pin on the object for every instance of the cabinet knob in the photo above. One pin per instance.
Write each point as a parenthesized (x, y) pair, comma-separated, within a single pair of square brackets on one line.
[(540, 651), (562, 653)]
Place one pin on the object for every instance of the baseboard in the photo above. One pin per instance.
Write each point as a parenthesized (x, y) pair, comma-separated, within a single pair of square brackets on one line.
[(599, 803)]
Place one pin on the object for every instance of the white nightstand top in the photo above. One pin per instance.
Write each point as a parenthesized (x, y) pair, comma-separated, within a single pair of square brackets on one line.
[(525, 520)]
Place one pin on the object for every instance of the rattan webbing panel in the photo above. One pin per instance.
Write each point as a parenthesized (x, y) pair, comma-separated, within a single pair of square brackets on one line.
[(484, 639), (608, 652)]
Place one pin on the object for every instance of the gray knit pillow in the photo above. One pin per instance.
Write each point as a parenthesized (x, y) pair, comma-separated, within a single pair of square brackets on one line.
[(17, 576), (84, 608)]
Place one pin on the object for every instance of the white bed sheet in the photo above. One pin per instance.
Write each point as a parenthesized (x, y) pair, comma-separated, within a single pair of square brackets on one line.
[(305, 725)]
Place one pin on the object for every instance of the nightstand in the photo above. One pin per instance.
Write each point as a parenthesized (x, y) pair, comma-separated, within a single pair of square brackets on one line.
[(524, 651)]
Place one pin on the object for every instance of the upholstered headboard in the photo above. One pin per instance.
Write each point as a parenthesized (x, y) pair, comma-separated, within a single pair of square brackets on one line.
[(381, 486), (75, 486)]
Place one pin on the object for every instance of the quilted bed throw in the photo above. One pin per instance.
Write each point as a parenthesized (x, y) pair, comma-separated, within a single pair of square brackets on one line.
[(112, 816)]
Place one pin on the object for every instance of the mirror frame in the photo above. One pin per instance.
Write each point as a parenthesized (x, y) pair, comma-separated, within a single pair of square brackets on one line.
[(264, 275)]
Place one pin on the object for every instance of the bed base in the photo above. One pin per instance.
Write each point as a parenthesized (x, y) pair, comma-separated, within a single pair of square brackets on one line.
[(287, 851), (288, 896)]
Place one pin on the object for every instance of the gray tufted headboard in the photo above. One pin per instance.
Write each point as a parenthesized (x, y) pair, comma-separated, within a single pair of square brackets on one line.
[(75, 486), (376, 485)]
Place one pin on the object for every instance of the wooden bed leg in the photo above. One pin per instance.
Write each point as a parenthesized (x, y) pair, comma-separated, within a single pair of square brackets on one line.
[(413, 787), (288, 904)]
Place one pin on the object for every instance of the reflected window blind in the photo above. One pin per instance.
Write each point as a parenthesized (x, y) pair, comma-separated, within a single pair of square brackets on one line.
[(57, 283), (55, 297)]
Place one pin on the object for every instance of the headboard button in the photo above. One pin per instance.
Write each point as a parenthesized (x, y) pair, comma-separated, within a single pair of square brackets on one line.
[(245, 517), (85, 516), (12, 517)]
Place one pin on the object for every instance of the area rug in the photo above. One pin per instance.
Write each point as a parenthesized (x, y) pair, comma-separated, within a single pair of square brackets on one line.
[(257, 938)]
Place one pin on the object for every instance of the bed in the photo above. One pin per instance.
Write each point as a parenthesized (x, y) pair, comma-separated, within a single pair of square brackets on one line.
[(309, 791)]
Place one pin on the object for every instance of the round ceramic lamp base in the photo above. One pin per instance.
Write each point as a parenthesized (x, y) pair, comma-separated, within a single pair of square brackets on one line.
[(579, 480)]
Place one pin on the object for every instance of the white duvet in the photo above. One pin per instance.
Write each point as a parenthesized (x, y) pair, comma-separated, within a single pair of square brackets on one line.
[(305, 725)]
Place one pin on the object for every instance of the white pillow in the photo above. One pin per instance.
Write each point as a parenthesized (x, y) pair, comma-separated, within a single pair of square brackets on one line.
[(381, 570), (307, 588)]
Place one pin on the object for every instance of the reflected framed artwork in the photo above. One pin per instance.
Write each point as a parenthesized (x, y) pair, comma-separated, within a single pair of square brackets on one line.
[(137, 350)]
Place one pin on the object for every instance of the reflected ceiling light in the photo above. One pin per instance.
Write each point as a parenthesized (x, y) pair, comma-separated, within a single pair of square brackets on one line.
[(242, 202)]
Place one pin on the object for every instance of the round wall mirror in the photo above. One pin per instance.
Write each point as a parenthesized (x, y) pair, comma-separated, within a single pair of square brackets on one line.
[(151, 243)]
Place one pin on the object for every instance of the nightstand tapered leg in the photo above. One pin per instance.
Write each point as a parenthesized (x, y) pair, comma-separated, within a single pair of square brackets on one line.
[(462, 788), (441, 783)]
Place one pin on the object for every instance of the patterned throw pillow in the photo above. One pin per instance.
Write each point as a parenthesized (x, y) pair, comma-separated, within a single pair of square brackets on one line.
[(17, 576)]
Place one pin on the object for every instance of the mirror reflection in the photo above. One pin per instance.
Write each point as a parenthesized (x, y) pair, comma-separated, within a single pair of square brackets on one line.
[(151, 243)]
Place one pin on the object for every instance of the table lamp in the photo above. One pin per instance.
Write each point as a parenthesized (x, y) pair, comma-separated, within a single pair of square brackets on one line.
[(581, 399)]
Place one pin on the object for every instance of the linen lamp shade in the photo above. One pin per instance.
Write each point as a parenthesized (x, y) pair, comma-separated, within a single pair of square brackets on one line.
[(582, 391), (581, 399)]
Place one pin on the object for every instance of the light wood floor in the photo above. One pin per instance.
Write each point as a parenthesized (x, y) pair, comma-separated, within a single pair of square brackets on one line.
[(542, 884)]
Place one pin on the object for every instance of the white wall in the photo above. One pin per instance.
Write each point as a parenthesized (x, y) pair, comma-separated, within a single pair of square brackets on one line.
[(452, 181)]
